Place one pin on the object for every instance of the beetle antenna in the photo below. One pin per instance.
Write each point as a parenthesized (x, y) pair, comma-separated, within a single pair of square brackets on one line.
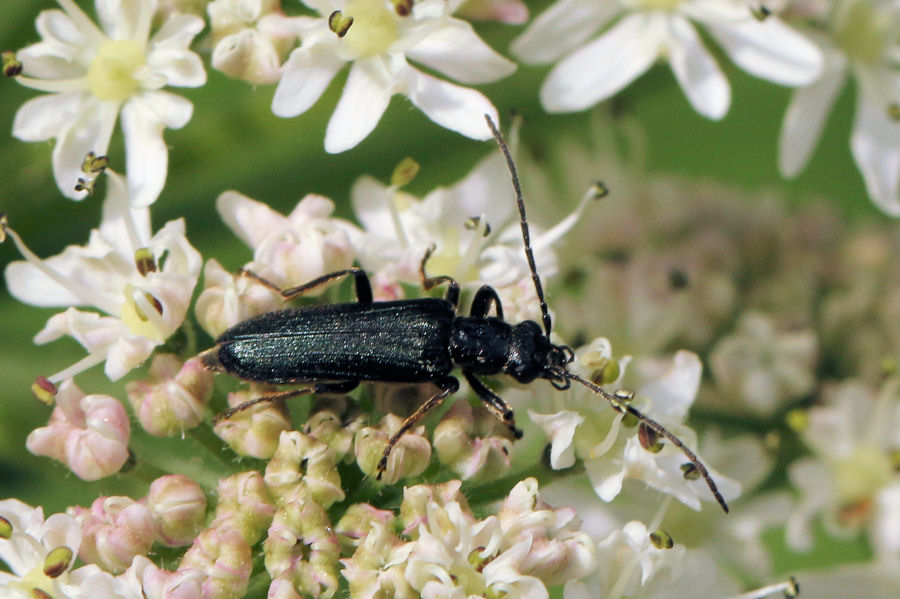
[(526, 237), (619, 402)]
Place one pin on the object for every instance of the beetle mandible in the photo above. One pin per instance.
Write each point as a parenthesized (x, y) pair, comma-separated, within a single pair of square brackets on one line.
[(335, 346)]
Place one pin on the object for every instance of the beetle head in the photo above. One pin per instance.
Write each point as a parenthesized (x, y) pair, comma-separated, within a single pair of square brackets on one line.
[(532, 355)]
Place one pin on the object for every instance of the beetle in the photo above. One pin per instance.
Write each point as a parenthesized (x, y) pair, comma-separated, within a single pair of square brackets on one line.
[(335, 346)]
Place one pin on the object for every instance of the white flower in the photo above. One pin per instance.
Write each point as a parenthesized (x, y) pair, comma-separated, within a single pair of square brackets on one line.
[(851, 478), (95, 73), (142, 284), (863, 43), (294, 249), (251, 38), (378, 36), (643, 31), (473, 226), (580, 425), (40, 553)]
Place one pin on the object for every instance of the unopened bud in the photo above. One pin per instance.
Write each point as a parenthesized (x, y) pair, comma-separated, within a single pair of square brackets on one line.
[(339, 24), (173, 398), (356, 523), (404, 172), (11, 66), (661, 539), (409, 456), (253, 432), (44, 390), (649, 438), (179, 505), (301, 462), (244, 504), (57, 561), (225, 557)]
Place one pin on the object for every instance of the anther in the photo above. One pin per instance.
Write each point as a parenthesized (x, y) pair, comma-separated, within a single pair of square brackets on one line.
[(404, 172), (57, 561), (649, 438), (599, 190), (893, 111), (44, 390), (403, 7), (761, 12), (690, 471), (473, 222), (661, 539), (144, 261), (11, 66), (339, 24)]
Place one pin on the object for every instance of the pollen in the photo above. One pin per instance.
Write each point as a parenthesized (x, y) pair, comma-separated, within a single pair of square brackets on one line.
[(374, 27), (111, 73)]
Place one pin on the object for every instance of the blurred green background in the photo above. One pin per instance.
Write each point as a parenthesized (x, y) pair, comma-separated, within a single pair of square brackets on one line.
[(234, 142)]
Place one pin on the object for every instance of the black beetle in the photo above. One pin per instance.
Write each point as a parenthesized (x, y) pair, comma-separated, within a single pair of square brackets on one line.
[(335, 346)]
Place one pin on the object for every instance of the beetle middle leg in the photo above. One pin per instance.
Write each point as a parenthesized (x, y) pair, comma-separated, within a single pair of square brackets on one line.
[(431, 282), (447, 386), (361, 279), (317, 389), (481, 303), (494, 403)]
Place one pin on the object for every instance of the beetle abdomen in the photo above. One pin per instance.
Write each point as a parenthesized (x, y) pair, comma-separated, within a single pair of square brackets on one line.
[(399, 341)]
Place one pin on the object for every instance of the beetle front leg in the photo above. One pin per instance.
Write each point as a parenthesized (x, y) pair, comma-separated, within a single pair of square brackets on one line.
[(317, 389), (494, 403), (361, 279), (447, 385)]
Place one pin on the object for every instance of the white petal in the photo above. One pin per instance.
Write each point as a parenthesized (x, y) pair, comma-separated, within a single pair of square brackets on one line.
[(562, 27), (89, 131), (560, 429), (675, 391), (696, 70), (170, 55), (456, 51), (143, 119), (769, 49), (604, 66), (805, 119), (875, 144), (250, 220), (45, 116), (451, 106), (30, 286), (307, 73), (366, 96)]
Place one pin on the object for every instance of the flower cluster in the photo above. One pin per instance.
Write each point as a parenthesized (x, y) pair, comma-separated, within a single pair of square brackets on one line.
[(777, 327)]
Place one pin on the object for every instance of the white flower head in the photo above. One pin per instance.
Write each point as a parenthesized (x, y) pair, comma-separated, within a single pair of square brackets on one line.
[(592, 69), (379, 37), (862, 42), (140, 282), (95, 73)]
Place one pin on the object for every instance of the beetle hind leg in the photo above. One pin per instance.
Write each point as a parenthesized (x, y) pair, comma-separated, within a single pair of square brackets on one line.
[(431, 282), (448, 386), (361, 279), (317, 389)]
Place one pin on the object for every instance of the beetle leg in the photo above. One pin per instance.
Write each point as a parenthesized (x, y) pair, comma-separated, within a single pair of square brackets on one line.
[(363, 287), (447, 386), (494, 403), (431, 282), (481, 303), (317, 389)]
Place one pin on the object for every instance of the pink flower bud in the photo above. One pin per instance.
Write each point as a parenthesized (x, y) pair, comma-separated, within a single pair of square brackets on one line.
[(302, 462), (225, 557), (173, 398), (357, 521), (472, 443), (162, 584), (244, 504), (302, 550), (253, 432), (228, 299), (88, 433), (115, 529), (409, 457), (414, 509), (179, 505)]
